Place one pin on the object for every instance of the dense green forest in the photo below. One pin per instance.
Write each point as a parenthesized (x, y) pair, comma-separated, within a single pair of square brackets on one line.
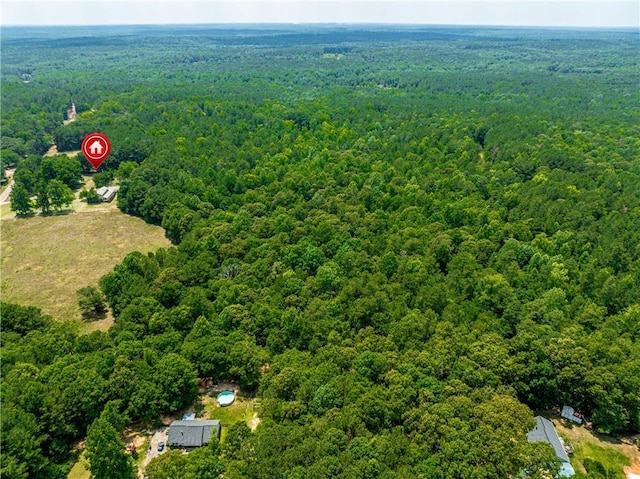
[(403, 240)]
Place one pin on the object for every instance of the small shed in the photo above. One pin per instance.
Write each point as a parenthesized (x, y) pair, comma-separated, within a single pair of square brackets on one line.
[(545, 431), (569, 413), (192, 433), (107, 193)]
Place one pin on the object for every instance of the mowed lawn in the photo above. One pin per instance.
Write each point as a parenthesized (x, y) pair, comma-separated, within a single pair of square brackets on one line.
[(241, 410), (622, 456), (45, 260)]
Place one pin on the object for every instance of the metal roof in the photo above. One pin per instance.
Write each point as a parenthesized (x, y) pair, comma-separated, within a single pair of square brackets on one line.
[(192, 433), (546, 431), (569, 413), (107, 193)]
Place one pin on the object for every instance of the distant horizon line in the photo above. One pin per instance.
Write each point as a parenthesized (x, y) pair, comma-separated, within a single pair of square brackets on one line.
[(490, 13), (273, 24)]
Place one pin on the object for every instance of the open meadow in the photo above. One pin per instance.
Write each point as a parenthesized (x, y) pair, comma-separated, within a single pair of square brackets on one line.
[(45, 260)]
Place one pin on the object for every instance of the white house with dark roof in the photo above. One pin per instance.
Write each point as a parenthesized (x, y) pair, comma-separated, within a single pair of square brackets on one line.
[(192, 433), (545, 431)]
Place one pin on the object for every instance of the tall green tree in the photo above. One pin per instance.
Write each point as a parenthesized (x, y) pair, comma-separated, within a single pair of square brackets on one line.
[(91, 302), (170, 465), (176, 379), (21, 446), (21, 201), (60, 195), (42, 197), (106, 452)]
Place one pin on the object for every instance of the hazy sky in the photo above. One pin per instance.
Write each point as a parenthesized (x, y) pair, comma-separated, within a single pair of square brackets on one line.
[(597, 13)]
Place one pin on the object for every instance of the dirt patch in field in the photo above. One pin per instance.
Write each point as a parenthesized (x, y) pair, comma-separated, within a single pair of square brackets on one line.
[(53, 151), (254, 421)]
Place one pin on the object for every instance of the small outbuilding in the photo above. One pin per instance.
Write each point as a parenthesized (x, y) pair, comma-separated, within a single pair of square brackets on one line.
[(192, 433), (569, 413), (107, 193), (545, 431)]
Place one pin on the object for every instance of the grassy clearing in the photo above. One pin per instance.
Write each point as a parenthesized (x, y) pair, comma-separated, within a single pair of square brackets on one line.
[(77, 205), (240, 410), (5, 211), (45, 260), (614, 454), (79, 470), (612, 459), (98, 324)]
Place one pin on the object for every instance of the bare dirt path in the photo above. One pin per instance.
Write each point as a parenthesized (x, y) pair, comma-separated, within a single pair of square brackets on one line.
[(53, 151), (4, 196), (254, 421)]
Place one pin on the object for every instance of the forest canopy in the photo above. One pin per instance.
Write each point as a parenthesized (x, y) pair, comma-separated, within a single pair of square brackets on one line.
[(403, 242)]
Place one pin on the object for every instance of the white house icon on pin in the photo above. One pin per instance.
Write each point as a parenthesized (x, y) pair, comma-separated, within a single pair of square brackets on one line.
[(96, 148)]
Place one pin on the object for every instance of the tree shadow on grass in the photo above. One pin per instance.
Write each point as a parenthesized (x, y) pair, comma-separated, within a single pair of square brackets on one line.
[(567, 424), (90, 317), (63, 212), (608, 439), (25, 215)]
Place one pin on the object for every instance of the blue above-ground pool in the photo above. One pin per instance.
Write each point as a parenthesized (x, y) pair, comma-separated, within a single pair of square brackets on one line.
[(226, 398)]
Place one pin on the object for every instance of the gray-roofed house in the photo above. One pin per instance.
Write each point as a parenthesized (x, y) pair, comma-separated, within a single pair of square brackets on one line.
[(192, 433), (545, 431)]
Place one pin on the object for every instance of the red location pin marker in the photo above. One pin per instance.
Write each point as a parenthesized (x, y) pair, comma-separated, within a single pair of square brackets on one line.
[(96, 149)]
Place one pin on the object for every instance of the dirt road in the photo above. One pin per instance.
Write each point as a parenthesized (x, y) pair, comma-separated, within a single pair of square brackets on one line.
[(4, 196)]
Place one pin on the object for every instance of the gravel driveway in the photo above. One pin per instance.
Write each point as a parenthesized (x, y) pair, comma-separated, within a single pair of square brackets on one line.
[(160, 435)]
